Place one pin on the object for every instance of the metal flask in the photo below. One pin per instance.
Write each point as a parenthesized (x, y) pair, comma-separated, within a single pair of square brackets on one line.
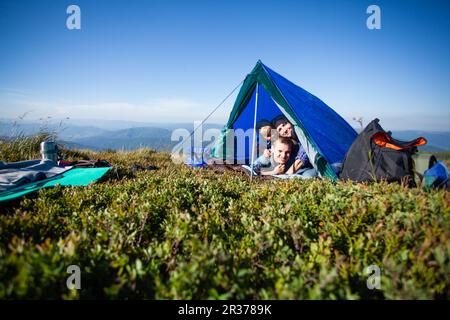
[(49, 151)]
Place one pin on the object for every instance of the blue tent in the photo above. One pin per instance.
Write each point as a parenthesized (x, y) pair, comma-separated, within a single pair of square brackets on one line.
[(265, 94)]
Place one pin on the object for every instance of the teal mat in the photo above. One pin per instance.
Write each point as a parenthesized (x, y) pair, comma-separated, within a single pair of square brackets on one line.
[(73, 177)]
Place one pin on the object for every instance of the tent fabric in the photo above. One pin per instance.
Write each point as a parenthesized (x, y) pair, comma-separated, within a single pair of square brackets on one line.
[(72, 177), (267, 110), (324, 134)]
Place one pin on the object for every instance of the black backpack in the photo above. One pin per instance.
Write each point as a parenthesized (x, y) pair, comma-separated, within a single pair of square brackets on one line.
[(376, 156)]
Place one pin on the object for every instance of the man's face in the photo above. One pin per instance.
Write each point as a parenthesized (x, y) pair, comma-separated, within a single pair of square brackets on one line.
[(284, 129), (282, 153)]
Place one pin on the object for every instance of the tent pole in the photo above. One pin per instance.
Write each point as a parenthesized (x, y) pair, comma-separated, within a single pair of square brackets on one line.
[(254, 133)]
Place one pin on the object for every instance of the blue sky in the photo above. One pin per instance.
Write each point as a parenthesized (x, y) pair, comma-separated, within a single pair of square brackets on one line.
[(160, 61)]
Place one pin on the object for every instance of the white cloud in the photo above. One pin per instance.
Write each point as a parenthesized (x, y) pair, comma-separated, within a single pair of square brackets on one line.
[(15, 103), (164, 109)]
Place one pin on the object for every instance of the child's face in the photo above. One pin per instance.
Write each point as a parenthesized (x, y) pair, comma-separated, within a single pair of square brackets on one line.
[(281, 153), (284, 129)]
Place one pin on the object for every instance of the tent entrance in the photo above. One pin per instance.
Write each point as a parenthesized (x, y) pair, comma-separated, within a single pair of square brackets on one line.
[(260, 106)]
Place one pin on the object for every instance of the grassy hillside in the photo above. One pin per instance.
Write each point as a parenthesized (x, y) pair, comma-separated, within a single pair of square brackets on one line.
[(443, 156), (182, 233)]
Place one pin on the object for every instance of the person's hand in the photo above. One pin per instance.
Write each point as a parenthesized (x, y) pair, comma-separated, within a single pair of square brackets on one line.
[(298, 164), (290, 170), (267, 153), (295, 167), (279, 169)]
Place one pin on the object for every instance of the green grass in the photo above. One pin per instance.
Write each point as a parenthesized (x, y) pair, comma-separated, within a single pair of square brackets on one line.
[(443, 156), (182, 233), (22, 147)]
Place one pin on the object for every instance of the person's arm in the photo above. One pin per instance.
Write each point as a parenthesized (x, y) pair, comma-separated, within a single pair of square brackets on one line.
[(301, 160), (261, 162), (302, 157), (297, 165), (279, 169)]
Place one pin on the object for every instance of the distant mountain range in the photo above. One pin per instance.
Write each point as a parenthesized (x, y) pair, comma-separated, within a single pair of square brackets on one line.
[(130, 139), (126, 135), (102, 135), (436, 141)]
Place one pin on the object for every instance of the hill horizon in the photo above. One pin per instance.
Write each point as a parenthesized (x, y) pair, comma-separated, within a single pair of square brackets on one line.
[(129, 135)]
